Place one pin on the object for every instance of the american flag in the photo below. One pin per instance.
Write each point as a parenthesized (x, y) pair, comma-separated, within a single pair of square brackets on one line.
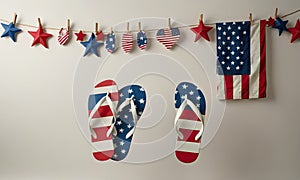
[(124, 123), (241, 65), (101, 118), (189, 124), (142, 40), (168, 36), (63, 36), (127, 41), (110, 42)]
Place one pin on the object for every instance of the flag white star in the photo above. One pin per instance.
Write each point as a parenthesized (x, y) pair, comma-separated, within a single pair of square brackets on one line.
[(237, 68), (122, 143), (219, 28), (115, 155), (227, 57), (224, 33), (244, 32), (141, 89), (232, 52), (130, 91), (223, 62), (121, 130), (241, 62), (184, 97), (175, 101), (228, 38), (191, 93), (238, 37), (184, 86), (123, 151), (228, 47), (198, 98), (115, 145), (238, 57), (228, 68), (142, 101), (232, 62), (223, 52), (129, 126), (233, 33), (121, 95), (219, 37), (239, 28), (219, 47), (229, 28), (119, 122), (125, 116)]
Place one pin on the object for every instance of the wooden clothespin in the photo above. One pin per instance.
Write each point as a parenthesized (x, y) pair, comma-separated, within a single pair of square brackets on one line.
[(111, 30), (276, 13), (127, 27), (250, 19), (140, 29), (201, 18), (169, 23), (96, 28), (39, 21), (68, 25), (15, 19)]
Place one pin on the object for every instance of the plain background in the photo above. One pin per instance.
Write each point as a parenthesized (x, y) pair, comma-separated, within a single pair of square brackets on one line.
[(39, 136)]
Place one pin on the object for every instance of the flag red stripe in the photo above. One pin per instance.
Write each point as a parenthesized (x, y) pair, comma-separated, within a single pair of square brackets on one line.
[(228, 86), (189, 135), (105, 83), (262, 73), (101, 134), (114, 96), (245, 86), (189, 115), (103, 111)]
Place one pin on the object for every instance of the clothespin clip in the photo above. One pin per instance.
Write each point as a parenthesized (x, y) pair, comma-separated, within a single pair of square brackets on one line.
[(127, 27), (111, 30), (276, 13), (15, 19), (169, 23), (68, 25), (96, 28), (250, 19), (139, 25), (201, 18), (39, 21)]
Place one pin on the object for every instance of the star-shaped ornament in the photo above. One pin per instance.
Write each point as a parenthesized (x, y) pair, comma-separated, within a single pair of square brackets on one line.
[(295, 31), (280, 25), (271, 22), (100, 36), (201, 31), (91, 46), (80, 36), (40, 37), (10, 30)]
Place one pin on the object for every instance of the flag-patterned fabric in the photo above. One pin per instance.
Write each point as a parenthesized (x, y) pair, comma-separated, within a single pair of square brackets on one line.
[(63, 36), (127, 42), (110, 42), (101, 120), (241, 64), (189, 124), (142, 40), (168, 36)]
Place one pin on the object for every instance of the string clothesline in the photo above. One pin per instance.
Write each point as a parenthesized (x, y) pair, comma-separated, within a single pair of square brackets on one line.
[(146, 30)]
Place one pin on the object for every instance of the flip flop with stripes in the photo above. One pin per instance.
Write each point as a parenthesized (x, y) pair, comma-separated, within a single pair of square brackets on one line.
[(101, 110), (132, 102), (189, 121)]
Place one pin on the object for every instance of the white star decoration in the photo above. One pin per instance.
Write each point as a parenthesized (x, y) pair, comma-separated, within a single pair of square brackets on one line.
[(185, 86), (122, 143), (142, 101), (198, 98), (123, 151), (121, 130), (119, 122), (191, 93), (130, 91)]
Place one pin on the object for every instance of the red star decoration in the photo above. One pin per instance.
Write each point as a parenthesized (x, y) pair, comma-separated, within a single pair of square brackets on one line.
[(80, 36), (271, 22), (295, 31), (40, 37), (201, 30), (100, 36)]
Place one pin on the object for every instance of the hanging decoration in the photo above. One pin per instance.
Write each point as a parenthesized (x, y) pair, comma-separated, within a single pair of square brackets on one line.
[(279, 24), (80, 36), (201, 30), (99, 34), (40, 37), (91, 46), (10, 29), (110, 42), (127, 40), (64, 34), (168, 36), (295, 31), (141, 38)]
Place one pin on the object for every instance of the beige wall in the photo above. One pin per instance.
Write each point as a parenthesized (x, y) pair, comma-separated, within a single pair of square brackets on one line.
[(39, 136)]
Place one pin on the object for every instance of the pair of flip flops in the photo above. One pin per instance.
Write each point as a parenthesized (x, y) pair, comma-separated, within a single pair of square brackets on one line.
[(112, 128), (112, 119)]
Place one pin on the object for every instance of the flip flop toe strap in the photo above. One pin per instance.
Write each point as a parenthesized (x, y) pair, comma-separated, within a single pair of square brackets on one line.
[(196, 111)]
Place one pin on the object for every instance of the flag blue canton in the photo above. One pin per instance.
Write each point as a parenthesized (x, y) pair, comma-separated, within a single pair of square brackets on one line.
[(175, 32), (141, 39), (233, 48)]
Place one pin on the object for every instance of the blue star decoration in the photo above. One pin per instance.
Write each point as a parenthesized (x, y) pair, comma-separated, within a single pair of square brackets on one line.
[(91, 46), (10, 30), (280, 25)]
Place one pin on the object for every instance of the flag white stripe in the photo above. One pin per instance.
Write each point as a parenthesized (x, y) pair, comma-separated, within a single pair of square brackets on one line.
[(105, 89), (237, 87), (105, 145), (101, 122), (188, 124), (255, 61), (187, 146), (221, 87)]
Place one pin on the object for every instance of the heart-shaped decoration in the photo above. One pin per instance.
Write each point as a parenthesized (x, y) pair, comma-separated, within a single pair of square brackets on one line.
[(168, 36), (63, 36)]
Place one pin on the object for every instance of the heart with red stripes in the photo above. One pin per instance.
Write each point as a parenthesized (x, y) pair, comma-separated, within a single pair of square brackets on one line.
[(63, 36), (168, 36)]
